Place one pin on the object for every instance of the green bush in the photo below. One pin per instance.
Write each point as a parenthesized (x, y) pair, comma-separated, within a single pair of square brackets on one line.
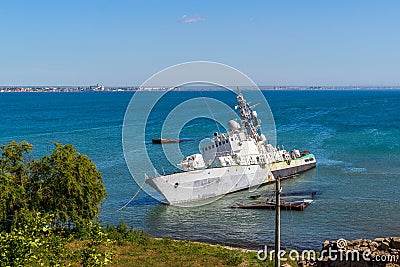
[(36, 240), (33, 242), (98, 247), (122, 234)]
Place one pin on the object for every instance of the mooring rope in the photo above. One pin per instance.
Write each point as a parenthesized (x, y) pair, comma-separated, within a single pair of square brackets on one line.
[(132, 198)]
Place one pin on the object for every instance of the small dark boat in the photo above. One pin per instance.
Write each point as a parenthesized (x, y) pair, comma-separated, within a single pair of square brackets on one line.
[(164, 141), (299, 205), (168, 141), (291, 194)]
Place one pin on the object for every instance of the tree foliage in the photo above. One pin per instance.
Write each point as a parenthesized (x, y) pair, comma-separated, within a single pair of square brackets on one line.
[(14, 179), (65, 183)]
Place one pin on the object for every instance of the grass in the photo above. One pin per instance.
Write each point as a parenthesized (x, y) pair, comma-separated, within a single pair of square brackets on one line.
[(136, 248), (167, 252)]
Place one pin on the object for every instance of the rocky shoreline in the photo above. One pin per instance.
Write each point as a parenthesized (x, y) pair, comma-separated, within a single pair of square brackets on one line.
[(357, 253)]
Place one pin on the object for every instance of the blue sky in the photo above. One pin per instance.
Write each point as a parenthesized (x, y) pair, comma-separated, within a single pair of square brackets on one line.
[(118, 43)]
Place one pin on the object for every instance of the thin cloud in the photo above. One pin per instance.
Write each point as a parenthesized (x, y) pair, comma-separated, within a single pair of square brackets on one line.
[(196, 18)]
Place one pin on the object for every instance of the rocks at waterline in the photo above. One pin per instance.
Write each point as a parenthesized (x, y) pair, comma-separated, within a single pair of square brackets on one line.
[(358, 253)]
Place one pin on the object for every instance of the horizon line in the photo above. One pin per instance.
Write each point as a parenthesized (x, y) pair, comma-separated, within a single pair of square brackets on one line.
[(195, 86)]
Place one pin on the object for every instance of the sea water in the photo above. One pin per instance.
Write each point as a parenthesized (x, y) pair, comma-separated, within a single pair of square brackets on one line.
[(353, 134)]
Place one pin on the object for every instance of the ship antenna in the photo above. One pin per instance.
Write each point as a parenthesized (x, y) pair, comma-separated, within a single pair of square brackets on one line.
[(211, 113)]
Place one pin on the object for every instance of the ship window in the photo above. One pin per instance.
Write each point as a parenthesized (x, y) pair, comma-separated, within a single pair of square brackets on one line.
[(205, 149), (306, 160), (216, 145), (212, 146), (311, 159), (227, 140), (232, 139), (220, 143)]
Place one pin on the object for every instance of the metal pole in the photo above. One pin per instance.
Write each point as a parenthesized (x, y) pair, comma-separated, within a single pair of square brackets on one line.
[(277, 221)]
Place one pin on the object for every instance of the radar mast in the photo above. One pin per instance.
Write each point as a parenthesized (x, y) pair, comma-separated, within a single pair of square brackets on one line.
[(248, 118)]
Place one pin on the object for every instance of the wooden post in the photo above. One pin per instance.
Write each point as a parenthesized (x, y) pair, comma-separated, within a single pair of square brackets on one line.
[(277, 220)]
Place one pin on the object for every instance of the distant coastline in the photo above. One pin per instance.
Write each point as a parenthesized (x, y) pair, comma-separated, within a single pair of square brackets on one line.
[(102, 88)]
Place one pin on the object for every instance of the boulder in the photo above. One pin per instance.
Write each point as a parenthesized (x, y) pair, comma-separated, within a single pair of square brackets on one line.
[(365, 243), (379, 246), (385, 245), (333, 244), (395, 243), (357, 242), (326, 244), (373, 244)]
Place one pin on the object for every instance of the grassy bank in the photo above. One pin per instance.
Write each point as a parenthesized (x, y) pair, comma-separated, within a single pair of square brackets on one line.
[(137, 248), (37, 243), (166, 252)]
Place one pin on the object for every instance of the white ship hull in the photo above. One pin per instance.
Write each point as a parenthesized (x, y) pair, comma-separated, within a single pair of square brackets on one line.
[(183, 187)]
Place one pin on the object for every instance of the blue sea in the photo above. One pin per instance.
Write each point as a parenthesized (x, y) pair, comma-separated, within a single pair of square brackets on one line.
[(355, 136)]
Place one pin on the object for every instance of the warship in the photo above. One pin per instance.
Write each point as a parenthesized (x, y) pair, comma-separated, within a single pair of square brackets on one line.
[(233, 161)]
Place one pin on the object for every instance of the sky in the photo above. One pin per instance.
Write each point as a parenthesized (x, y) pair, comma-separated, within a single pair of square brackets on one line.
[(122, 43)]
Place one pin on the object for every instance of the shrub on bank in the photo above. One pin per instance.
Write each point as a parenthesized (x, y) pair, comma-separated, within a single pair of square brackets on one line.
[(38, 242)]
